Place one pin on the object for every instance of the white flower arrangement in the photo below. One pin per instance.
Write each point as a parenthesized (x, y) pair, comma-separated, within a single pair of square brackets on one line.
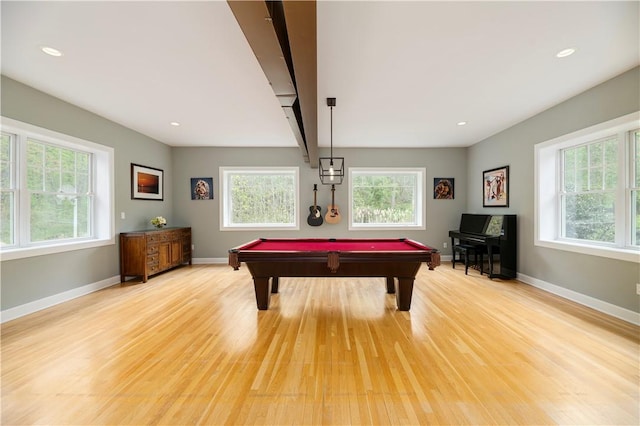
[(158, 221)]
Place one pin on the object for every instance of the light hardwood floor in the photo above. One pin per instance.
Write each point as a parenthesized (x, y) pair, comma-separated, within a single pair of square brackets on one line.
[(190, 347)]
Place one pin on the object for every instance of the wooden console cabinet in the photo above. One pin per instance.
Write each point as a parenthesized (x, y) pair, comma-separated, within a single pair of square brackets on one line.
[(145, 253)]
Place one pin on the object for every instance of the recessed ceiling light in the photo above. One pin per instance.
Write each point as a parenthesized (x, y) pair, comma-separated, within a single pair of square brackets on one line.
[(175, 123), (461, 123), (51, 51), (564, 53)]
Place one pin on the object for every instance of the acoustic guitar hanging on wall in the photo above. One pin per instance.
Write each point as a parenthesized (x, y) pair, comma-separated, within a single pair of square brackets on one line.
[(315, 217), (333, 213)]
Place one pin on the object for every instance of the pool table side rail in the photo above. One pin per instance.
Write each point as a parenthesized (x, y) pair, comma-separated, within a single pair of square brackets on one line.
[(244, 253), (258, 241)]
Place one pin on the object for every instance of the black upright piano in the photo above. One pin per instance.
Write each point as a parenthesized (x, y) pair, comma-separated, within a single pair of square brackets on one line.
[(496, 235)]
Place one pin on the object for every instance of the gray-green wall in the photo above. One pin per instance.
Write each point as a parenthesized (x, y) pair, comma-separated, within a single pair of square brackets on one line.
[(204, 216), (33, 278), (30, 279), (610, 280)]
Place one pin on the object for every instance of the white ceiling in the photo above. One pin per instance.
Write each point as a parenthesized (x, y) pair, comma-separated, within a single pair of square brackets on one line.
[(403, 73)]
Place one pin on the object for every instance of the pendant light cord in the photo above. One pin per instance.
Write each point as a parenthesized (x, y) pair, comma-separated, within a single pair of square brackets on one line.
[(331, 162)]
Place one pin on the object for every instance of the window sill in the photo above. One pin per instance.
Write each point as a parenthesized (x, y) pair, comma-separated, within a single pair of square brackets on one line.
[(627, 255), (21, 253), (386, 227), (259, 228)]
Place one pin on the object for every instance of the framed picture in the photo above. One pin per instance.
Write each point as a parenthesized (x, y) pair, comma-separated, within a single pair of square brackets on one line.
[(147, 183), (495, 187), (202, 188), (443, 188)]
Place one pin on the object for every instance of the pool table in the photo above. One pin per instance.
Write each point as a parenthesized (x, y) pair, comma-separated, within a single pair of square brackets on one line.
[(394, 259)]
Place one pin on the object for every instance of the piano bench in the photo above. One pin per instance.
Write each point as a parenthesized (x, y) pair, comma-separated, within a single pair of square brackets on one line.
[(466, 250)]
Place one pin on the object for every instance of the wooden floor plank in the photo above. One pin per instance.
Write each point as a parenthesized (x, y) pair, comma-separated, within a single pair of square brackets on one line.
[(190, 347)]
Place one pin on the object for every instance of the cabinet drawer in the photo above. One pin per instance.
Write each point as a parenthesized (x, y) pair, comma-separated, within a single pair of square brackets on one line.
[(152, 269), (152, 249), (153, 259), (157, 237)]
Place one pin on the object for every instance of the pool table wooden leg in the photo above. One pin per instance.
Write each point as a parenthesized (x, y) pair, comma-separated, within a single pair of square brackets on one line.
[(274, 284), (404, 293), (263, 292), (391, 285)]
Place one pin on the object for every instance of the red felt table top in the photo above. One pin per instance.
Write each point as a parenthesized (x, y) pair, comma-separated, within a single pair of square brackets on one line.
[(347, 245)]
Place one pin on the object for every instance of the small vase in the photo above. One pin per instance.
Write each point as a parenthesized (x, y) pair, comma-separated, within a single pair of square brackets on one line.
[(159, 226)]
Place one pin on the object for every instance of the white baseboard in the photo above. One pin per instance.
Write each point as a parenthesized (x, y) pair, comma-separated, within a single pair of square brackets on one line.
[(209, 260), (37, 305), (47, 302), (591, 302)]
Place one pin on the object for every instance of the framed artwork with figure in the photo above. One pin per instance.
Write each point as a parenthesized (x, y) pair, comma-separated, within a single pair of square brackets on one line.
[(495, 187), (202, 188), (443, 188)]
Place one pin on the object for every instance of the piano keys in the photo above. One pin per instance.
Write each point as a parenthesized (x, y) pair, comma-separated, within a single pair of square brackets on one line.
[(496, 235)]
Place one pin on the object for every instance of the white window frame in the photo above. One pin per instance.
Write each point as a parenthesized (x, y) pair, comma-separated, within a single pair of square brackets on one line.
[(631, 222), (226, 204), (547, 181), (420, 205), (12, 188), (103, 221)]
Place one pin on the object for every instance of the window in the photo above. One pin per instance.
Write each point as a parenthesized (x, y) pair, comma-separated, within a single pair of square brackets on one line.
[(587, 190), (259, 198), (58, 187), (57, 192), (588, 195), (388, 198)]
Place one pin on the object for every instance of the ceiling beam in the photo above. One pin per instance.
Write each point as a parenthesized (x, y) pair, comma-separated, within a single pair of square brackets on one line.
[(282, 35), (300, 17)]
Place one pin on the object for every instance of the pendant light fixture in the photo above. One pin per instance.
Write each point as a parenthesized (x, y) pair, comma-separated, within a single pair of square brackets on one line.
[(331, 169)]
